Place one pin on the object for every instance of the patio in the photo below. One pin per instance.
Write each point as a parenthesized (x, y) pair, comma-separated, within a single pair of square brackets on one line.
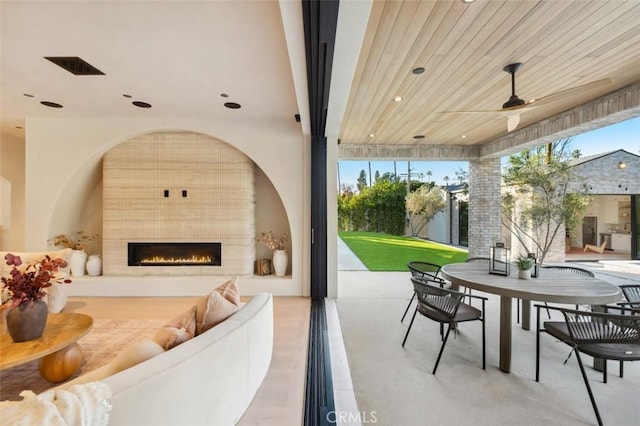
[(395, 386)]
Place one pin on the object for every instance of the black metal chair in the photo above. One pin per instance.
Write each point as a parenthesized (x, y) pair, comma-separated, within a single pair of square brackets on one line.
[(631, 294), (571, 270), (445, 306), (600, 335), (422, 270)]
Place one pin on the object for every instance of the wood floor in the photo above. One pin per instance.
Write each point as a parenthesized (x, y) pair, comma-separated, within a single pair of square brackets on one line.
[(280, 399)]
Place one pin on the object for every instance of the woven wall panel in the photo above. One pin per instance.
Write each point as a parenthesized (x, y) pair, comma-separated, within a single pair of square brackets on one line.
[(219, 207)]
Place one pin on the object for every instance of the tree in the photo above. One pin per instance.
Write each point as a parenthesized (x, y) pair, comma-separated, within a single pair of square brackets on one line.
[(542, 197), (422, 205), (362, 180)]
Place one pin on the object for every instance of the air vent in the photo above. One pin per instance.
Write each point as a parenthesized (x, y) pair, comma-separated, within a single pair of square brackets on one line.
[(74, 65)]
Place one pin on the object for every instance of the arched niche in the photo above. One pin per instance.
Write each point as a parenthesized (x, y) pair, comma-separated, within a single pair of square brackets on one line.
[(81, 205)]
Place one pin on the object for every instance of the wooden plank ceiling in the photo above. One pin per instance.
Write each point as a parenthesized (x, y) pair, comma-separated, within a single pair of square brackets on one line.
[(463, 49)]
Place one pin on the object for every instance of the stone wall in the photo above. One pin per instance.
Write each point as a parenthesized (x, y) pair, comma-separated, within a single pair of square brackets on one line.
[(144, 180), (485, 223)]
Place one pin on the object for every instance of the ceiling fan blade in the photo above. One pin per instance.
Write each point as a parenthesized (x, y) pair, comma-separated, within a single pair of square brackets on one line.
[(570, 92), (472, 112), (512, 121)]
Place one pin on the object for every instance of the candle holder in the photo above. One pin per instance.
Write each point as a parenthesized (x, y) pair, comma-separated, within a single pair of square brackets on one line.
[(499, 263), (534, 270)]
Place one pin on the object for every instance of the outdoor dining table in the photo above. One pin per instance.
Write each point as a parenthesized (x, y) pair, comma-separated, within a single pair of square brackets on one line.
[(550, 286)]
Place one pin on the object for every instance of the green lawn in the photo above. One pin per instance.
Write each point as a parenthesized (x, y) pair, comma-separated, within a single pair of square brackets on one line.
[(382, 252)]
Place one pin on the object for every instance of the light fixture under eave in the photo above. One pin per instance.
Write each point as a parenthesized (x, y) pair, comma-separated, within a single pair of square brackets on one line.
[(468, 1), (372, 135), (622, 165), (397, 99)]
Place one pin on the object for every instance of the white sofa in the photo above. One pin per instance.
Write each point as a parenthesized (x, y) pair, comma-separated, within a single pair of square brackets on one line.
[(208, 380)]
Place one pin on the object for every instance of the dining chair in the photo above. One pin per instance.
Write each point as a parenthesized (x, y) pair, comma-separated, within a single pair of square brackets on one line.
[(422, 270), (570, 270), (445, 306), (597, 334), (631, 294)]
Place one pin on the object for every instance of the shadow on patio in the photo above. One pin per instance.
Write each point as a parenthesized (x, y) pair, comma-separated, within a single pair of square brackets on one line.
[(395, 386)]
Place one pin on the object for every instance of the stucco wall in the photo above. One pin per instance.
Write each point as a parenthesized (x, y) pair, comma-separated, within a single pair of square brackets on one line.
[(63, 156)]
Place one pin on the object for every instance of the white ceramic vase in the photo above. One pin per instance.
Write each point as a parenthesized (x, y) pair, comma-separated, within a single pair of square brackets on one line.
[(280, 261), (78, 262), (524, 274), (94, 265)]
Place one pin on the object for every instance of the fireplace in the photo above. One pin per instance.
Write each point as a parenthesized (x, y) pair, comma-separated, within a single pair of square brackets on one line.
[(174, 254)]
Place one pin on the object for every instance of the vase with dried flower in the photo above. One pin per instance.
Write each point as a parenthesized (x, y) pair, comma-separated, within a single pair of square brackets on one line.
[(78, 260), (277, 244), (27, 312)]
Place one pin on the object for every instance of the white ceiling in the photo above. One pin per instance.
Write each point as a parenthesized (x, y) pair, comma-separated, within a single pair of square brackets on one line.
[(180, 56)]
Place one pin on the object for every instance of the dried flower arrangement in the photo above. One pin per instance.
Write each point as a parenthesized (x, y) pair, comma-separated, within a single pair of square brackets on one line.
[(28, 285), (79, 243), (273, 243)]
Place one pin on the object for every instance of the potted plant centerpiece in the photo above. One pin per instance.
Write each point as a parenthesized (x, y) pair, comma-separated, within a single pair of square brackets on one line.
[(78, 245), (280, 258), (27, 312), (524, 265)]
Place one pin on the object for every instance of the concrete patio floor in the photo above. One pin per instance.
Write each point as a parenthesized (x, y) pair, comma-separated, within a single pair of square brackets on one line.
[(394, 385)]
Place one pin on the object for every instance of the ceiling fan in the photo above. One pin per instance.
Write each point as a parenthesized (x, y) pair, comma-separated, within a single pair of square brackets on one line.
[(515, 106)]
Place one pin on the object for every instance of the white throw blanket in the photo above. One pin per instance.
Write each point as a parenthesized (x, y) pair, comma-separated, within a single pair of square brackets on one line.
[(80, 405)]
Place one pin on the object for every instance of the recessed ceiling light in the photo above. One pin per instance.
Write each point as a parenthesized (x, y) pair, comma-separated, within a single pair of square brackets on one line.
[(51, 104), (141, 104), (232, 105), (418, 70), (468, 1), (28, 95), (418, 137), (463, 136), (397, 99), (372, 135), (224, 95), (126, 96)]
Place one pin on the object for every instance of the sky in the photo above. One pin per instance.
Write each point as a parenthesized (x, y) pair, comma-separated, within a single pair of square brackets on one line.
[(624, 135)]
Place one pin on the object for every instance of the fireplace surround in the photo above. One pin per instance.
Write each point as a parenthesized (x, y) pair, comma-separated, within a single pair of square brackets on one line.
[(172, 186)]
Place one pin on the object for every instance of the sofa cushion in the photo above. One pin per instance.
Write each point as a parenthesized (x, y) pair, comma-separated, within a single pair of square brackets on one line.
[(217, 306), (178, 330), (30, 257), (135, 354)]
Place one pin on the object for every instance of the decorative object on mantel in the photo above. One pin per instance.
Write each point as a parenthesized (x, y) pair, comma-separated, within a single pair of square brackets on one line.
[(280, 258), (94, 265), (280, 261), (524, 264), (499, 260), (263, 267), (78, 260), (27, 315)]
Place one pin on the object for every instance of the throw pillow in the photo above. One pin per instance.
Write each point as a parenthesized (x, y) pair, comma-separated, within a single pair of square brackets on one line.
[(217, 306), (178, 330), (135, 354)]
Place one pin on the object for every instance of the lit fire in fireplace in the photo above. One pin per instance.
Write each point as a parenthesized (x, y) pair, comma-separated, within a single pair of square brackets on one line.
[(195, 260)]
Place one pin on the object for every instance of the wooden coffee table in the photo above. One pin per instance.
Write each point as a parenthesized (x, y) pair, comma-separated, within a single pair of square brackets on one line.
[(59, 354)]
